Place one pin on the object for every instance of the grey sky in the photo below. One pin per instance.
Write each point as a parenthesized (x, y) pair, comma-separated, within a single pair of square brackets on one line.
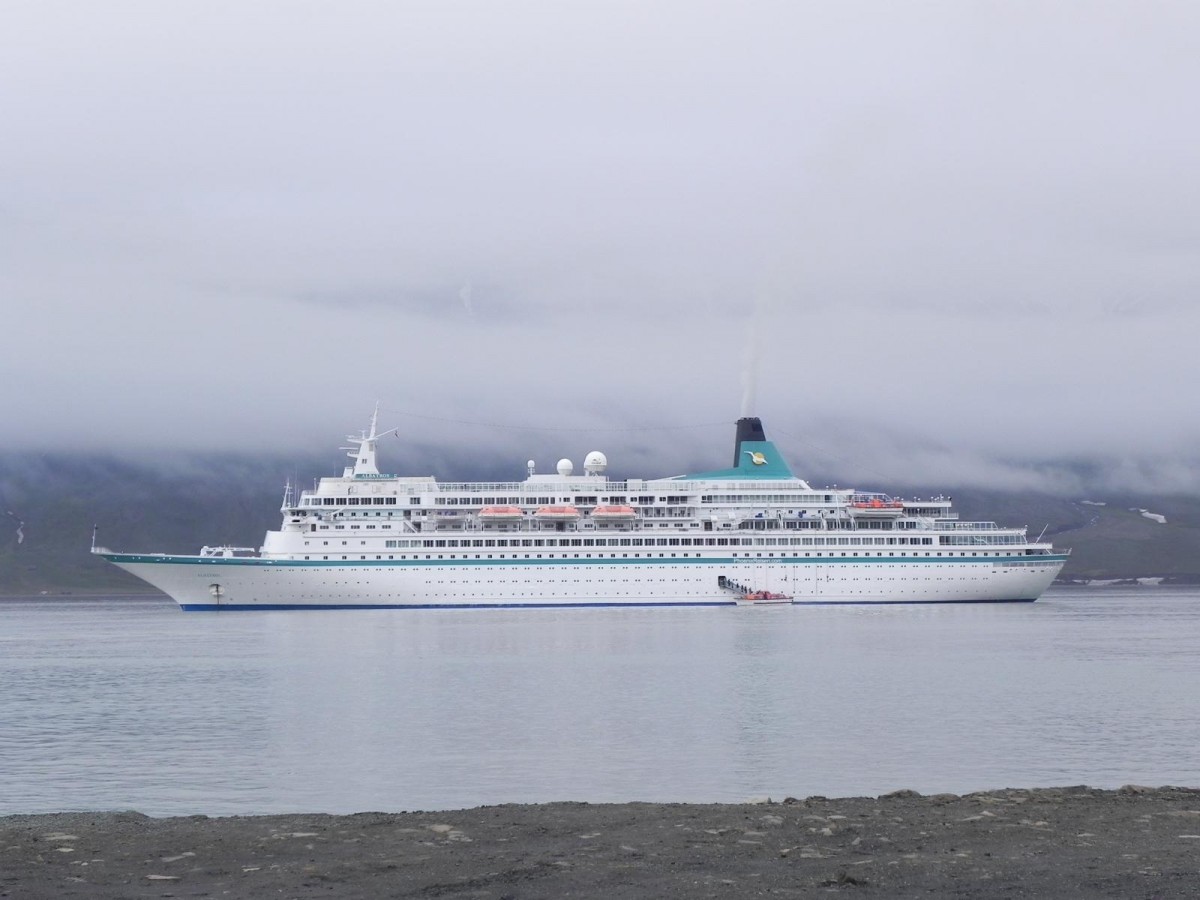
[(967, 232)]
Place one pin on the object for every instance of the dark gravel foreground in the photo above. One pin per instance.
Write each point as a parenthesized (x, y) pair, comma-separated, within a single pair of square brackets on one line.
[(1055, 842)]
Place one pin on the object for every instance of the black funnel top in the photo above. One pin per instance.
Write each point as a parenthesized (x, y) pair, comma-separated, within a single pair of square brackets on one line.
[(748, 429)]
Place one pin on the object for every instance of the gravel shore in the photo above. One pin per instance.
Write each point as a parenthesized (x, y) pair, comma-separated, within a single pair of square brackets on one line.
[(1050, 842)]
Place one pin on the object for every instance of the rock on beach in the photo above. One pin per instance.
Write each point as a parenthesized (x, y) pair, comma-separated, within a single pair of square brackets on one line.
[(1074, 842)]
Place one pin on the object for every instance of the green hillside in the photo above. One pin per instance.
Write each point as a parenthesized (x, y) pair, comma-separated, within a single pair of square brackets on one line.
[(136, 507), (1109, 537), (234, 500), (1118, 541)]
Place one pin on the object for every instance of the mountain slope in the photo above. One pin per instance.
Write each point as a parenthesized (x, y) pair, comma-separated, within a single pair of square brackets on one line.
[(228, 499)]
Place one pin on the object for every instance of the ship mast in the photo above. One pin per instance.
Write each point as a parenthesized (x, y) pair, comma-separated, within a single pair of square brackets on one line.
[(363, 449)]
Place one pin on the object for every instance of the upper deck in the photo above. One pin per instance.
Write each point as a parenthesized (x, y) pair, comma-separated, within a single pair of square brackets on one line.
[(757, 493)]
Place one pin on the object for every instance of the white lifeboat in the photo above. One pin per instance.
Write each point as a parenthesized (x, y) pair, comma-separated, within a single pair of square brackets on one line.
[(501, 514), (614, 514), (556, 513)]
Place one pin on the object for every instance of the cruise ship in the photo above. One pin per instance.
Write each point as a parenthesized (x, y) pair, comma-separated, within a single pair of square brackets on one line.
[(751, 534)]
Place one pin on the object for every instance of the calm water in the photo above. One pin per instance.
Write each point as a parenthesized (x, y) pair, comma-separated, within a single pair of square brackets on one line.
[(127, 703)]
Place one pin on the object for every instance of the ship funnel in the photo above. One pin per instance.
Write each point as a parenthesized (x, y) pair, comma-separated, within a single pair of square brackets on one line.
[(748, 429)]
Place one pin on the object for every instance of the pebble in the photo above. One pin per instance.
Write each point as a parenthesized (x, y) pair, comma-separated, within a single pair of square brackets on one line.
[(659, 850)]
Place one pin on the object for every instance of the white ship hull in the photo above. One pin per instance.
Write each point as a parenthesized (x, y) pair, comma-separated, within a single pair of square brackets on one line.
[(204, 583), (752, 533)]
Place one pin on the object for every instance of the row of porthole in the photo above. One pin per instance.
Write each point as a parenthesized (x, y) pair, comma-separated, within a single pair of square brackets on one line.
[(514, 593), (557, 582), (428, 556), (588, 569), (756, 554)]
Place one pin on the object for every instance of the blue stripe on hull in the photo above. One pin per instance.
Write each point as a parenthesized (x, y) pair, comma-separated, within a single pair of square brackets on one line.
[(242, 607), (909, 602), (247, 607), (577, 561)]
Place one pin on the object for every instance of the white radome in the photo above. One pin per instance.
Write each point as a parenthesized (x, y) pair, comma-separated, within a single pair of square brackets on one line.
[(595, 463)]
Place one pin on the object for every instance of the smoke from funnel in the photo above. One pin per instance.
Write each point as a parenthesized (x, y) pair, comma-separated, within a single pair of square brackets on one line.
[(752, 358)]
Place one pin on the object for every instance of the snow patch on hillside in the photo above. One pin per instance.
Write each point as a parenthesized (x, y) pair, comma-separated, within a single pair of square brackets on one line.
[(1161, 520)]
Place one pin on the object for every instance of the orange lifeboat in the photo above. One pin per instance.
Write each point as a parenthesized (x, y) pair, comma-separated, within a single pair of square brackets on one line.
[(556, 513), (501, 514), (761, 597), (876, 506), (614, 514)]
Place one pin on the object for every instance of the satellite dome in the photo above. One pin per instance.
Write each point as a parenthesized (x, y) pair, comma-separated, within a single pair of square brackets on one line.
[(595, 463), (565, 467)]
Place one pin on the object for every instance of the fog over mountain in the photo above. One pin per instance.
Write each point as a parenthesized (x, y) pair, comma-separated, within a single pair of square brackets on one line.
[(947, 242)]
